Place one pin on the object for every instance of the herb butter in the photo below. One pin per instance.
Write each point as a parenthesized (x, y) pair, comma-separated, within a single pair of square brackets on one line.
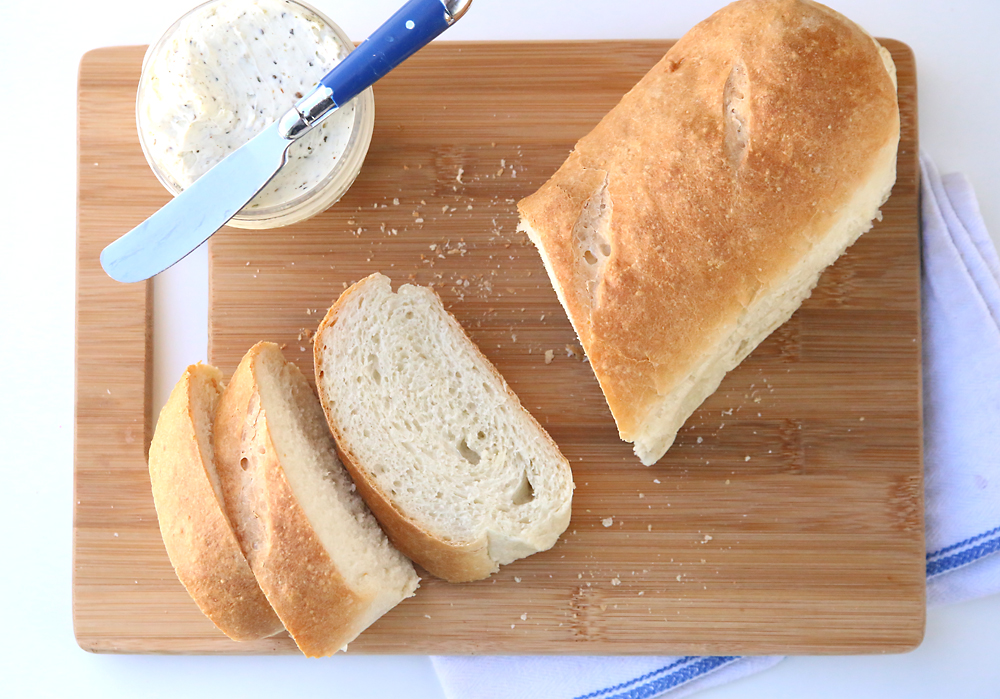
[(226, 71)]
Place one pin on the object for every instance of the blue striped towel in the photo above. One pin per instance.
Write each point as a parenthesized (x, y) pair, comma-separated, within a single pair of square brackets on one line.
[(961, 304)]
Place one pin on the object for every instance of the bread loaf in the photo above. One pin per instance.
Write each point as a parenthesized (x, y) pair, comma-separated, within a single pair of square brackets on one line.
[(196, 531), (700, 212), (317, 552), (461, 476)]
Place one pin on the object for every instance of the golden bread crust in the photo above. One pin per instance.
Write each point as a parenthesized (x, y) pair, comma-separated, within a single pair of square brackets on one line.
[(719, 170), (196, 531)]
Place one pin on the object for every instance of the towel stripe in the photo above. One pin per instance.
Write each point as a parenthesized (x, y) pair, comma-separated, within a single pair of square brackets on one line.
[(971, 555), (687, 669), (641, 678), (962, 544)]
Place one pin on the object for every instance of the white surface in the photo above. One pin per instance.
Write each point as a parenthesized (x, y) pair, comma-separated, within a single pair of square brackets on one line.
[(957, 50)]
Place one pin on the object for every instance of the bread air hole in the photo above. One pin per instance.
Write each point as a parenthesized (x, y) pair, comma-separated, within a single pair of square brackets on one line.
[(373, 362), (469, 454), (244, 463), (524, 493)]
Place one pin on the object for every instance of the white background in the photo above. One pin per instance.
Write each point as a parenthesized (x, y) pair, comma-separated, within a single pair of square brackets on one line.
[(957, 45)]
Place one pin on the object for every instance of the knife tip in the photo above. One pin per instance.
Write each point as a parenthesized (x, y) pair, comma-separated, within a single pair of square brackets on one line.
[(112, 266)]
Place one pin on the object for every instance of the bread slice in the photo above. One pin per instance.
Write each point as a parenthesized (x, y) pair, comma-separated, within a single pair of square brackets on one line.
[(700, 212), (196, 532), (317, 552), (462, 478)]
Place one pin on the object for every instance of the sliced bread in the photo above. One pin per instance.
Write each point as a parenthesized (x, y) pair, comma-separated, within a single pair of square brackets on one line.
[(196, 532), (460, 475), (319, 555)]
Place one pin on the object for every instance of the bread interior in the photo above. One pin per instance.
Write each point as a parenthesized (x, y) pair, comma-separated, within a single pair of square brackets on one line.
[(433, 425)]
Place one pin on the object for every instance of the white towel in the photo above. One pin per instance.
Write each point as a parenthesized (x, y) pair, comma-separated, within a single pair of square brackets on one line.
[(961, 327), (961, 296)]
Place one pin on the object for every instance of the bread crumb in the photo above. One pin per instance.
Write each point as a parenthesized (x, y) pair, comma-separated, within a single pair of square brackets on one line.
[(727, 481), (642, 592), (524, 617), (427, 616), (608, 521), (656, 480), (395, 201), (549, 354), (511, 626), (699, 440), (458, 178), (517, 580), (678, 578), (747, 458), (649, 527), (708, 537), (616, 581)]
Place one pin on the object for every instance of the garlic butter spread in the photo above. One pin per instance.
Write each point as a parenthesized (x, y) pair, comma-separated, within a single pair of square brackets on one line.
[(227, 71)]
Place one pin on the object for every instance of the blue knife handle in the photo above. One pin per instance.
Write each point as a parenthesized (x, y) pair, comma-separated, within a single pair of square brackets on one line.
[(407, 31)]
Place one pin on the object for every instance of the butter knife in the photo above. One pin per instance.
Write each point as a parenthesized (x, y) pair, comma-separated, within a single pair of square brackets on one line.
[(199, 211)]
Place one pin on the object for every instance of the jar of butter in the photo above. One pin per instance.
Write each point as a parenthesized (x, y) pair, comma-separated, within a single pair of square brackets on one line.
[(228, 69)]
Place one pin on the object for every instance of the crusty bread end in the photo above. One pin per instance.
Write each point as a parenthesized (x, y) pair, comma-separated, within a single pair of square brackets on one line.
[(196, 531)]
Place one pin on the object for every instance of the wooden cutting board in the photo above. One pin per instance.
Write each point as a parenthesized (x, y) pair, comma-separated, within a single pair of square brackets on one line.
[(787, 518)]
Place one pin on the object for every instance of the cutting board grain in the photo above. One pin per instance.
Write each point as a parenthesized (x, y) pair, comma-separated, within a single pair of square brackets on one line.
[(788, 517)]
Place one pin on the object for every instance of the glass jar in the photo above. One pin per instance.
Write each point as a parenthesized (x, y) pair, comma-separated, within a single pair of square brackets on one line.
[(187, 107)]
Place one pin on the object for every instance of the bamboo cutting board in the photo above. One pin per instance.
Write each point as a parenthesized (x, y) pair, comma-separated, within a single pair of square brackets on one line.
[(787, 518)]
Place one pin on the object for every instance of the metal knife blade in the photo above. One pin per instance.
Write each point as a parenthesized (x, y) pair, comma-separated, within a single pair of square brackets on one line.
[(191, 218)]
